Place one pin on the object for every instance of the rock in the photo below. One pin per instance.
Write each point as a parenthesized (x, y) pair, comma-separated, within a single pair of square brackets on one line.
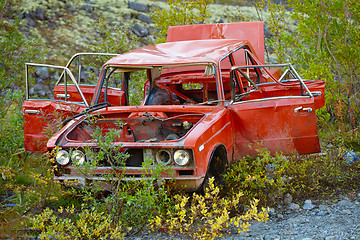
[(287, 199), (84, 74), (70, 9), (41, 93), (40, 14), (139, 30), (346, 211), (271, 211), (322, 213), (293, 207), (331, 238), (279, 1), (31, 17), (42, 72), (270, 168), (323, 207), (94, 16), (57, 14), (219, 20), (31, 22), (87, 8), (144, 18), (138, 7), (127, 16), (308, 205), (346, 203), (38, 86), (31, 92)]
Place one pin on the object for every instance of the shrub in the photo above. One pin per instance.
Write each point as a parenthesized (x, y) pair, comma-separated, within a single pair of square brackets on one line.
[(261, 177), (268, 177), (208, 216), (69, 224)]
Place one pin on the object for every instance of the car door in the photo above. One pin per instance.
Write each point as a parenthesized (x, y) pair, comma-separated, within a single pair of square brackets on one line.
[(43, 112), (66, 95), (282, 123)]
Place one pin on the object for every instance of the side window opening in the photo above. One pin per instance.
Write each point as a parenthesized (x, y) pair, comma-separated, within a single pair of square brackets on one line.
[(121, 87), (285, 86), (48, 82)]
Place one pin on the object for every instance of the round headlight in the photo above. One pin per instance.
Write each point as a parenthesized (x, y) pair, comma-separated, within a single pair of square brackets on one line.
[(78, 157), (181, 157), (163, 156), (62, 157)]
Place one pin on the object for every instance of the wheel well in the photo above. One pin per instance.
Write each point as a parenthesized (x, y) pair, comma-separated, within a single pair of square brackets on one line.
[(218, 161)]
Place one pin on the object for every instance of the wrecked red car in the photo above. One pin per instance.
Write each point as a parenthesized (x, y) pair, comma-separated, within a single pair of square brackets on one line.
[(208, 99)]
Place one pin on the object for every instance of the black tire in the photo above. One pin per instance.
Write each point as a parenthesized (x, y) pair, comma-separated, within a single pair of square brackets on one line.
[(216, 169)]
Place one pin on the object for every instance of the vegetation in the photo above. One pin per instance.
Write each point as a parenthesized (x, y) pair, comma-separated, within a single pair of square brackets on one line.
[(207, 216), (127, 208), (16, 49), (180, 12), (321, 38), (269, 178), (324, 45), (120, 40)]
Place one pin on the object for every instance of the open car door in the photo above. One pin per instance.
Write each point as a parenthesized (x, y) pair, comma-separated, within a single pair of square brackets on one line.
[(277, 116), (43, 115), (62, 95)]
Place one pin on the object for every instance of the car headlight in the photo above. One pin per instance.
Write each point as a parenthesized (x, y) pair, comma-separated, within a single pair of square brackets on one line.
[(181, 157), (62, 157), (78, 157), (163, 156)]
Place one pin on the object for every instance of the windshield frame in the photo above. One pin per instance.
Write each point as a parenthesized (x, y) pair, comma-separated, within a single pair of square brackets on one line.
[(126, 78)]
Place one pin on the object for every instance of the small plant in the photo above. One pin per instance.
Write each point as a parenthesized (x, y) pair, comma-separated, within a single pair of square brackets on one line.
[(69, 224), (208, 216), (261, 177)]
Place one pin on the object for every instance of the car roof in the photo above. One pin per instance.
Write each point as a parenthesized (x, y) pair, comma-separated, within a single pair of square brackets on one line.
[(178, 53)]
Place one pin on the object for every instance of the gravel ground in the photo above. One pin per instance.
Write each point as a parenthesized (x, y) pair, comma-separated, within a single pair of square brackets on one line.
[(327, 220), (336, 220)]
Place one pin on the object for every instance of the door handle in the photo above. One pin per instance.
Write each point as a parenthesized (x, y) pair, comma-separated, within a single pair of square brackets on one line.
[(62, 95), (302, 109), (32, 111)]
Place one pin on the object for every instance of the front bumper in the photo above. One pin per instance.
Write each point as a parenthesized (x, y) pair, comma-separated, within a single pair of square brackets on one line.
[(179, 179)]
